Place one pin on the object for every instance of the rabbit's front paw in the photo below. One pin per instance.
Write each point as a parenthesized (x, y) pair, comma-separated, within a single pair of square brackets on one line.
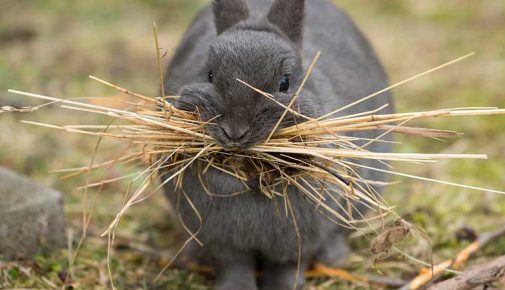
[(282, 276), (234, 270), (334, 251)]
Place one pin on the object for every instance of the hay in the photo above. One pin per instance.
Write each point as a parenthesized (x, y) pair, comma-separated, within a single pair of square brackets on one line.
[(315, 155)]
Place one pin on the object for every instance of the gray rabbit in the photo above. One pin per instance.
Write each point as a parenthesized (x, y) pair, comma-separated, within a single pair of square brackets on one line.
[(268, 44)]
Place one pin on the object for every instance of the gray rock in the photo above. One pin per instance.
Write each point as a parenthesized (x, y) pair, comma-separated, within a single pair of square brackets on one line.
[(31, 217)]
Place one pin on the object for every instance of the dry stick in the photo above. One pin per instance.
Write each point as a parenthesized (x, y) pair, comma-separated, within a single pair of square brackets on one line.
[(193, 235), (125, 91), (343, 185), (427, 274), (480, 275), (86, 219), (70, 243), (74, 172), (321, 271), (298, 236), (25, 109), (86, 225), (109, 256), (147, 179), (309, 71), (106, 181), (191, 238), (393, 128), (366, 113), (422, 131), (272, 98), (427, 179), (330, 210), (160, 66), (69, 101), (132, 200), (398, 84)]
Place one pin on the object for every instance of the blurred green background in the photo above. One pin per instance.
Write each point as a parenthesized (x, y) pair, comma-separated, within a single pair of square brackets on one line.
[(51, 46)]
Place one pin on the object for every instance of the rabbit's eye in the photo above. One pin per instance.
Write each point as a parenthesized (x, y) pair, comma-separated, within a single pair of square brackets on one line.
[(284, 84), (210, 77)]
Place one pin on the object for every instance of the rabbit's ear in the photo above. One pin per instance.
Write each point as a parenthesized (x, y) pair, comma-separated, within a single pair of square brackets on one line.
[(228, 12), (288, 16)]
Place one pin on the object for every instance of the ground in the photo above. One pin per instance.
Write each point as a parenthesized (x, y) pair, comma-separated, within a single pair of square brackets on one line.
[(52, 46)]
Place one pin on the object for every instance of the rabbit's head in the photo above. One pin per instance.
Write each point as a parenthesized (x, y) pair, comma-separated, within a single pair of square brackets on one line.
[(264, 52)]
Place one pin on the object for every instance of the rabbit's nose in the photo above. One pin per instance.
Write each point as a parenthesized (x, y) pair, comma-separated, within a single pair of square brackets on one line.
[(234, 134)]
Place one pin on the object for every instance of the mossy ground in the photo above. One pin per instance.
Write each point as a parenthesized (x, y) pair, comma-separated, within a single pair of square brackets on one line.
[(52, 46)]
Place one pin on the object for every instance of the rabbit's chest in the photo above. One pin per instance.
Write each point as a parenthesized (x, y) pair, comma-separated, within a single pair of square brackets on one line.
[(249, 220)]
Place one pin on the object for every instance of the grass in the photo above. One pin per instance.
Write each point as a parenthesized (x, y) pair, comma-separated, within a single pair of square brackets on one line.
[(114, 41)]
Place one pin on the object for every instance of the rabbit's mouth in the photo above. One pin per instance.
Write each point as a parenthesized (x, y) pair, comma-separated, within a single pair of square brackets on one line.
[(233, 143), (237, 147)]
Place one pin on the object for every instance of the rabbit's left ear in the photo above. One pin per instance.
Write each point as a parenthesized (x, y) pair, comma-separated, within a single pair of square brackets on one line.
[(288, 15), (228, 13)]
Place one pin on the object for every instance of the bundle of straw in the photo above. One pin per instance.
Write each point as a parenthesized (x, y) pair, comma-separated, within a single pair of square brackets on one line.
[(315, 156)]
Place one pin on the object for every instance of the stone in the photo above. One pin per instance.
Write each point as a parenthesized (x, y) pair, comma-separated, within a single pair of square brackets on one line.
[(31, 217)]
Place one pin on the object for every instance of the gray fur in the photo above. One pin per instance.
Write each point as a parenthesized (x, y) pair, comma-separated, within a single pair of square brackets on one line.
[(288, 16), (228, 13), (248, 231)]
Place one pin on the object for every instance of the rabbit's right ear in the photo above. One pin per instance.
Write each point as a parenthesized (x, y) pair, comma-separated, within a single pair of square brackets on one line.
[(288, 15), (228, 13)]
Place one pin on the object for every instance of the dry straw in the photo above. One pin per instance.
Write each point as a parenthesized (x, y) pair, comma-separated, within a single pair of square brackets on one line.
[(316, 155)]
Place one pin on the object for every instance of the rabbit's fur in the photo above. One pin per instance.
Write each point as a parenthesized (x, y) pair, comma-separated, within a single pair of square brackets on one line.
[(263, 42)]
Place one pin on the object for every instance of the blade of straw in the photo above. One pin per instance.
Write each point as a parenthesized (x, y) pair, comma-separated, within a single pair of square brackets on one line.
[(309, 71), (427, 179), (128, 92), (271, 97), (398, 84)]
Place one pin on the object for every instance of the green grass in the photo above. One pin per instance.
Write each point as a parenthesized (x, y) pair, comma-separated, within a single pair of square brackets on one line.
[(113, 40)]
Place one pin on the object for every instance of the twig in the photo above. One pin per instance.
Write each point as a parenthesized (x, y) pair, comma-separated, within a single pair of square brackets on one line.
[(483, 274), (426, 275), (295, 96), (321, 271), (160, 65), (398, 84), (9, 109)]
